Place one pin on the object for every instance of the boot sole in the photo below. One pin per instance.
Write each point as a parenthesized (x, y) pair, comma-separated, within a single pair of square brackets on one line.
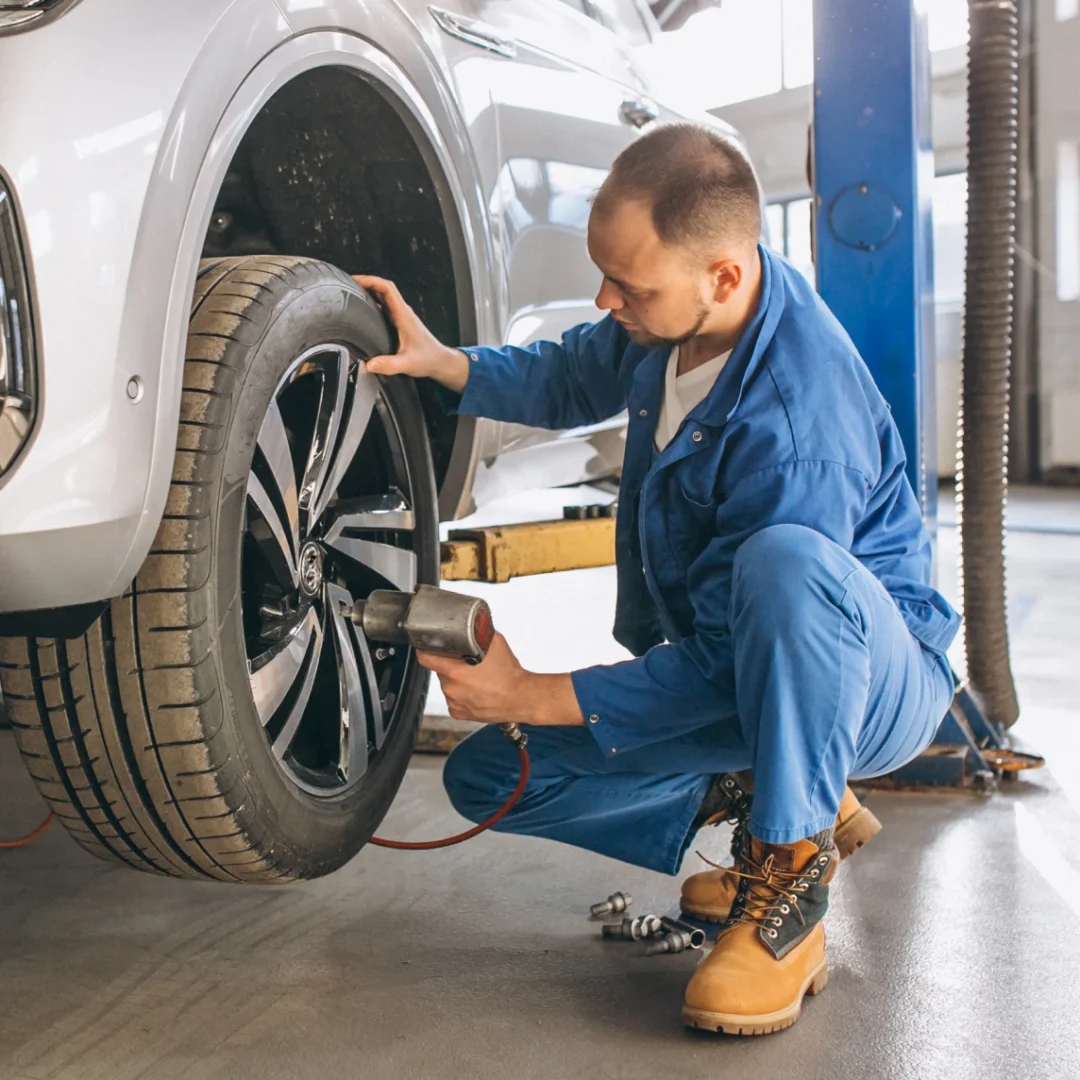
[(714, 915), (859, 829), (762, 1023)]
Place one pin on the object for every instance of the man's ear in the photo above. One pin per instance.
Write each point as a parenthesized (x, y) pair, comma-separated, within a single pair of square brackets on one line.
[(727, 277)]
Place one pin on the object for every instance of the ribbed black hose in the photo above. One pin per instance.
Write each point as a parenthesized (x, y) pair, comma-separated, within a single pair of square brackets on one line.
[(982, 485)]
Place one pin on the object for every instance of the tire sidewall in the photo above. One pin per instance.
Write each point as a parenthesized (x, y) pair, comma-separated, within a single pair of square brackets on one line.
[(321, 832)]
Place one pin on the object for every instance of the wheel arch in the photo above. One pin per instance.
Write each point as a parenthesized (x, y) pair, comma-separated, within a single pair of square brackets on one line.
[(442, 142)]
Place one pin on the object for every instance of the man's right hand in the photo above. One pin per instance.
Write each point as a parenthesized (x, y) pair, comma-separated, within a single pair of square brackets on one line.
[(420, 354)]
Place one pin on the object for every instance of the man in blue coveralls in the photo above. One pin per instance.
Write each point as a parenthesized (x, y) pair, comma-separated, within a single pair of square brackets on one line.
[(773, 576)]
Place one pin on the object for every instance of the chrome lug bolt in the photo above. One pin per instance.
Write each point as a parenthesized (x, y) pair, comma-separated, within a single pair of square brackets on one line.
[(617, 902)]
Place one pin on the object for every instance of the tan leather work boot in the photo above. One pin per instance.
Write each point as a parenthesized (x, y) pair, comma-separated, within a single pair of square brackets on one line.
[(773, 951), (709, 894)]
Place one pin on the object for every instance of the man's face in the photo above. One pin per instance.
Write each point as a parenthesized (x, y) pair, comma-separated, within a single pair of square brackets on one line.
[(657, 293)]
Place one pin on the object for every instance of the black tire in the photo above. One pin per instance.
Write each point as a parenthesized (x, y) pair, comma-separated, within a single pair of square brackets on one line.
[(144, 734)]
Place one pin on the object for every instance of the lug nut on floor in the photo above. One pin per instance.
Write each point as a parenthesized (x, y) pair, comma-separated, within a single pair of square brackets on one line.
[(617, 902), (677, 937), (633, 929)]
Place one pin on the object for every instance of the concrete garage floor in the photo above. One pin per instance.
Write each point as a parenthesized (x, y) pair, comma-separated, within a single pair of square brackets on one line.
[(954, 940)]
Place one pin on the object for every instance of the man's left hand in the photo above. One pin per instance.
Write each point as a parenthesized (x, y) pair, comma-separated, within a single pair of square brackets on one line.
[(499, 690)]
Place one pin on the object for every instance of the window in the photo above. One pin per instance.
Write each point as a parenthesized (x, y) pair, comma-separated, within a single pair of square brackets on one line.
[(948, 200), (1068, 220), (774, 225), (622, 16), (798, 244), (790, 225), (1066, 9)]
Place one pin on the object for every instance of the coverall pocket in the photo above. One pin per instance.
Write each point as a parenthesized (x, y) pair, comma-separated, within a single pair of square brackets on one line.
[(691, 525)]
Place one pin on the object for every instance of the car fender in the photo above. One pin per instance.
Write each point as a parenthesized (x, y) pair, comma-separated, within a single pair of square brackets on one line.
[(429, 108)]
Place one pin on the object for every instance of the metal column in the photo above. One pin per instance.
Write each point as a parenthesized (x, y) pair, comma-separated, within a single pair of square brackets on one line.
[(872, 170)]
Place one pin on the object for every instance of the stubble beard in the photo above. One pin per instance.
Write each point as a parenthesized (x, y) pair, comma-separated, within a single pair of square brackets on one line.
[(653, 341)]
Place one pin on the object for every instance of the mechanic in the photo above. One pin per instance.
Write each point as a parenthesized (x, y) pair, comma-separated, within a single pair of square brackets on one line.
[(773, 576)]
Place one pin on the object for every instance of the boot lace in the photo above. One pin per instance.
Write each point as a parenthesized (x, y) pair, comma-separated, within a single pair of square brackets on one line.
[(767, 895)]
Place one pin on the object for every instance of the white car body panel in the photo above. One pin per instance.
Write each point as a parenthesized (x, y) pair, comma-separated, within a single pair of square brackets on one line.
[(115, 160)]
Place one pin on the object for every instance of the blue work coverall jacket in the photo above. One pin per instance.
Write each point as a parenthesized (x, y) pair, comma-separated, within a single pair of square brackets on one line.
[(794, 431)]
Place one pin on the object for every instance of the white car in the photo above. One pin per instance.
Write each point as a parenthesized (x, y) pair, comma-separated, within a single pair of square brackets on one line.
[(196, 473)]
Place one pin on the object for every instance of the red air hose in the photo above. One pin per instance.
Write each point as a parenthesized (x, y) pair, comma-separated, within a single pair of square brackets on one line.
[(449, 841), (29, 838)]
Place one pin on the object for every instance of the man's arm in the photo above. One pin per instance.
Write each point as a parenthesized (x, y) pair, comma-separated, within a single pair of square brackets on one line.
[(549, 384)]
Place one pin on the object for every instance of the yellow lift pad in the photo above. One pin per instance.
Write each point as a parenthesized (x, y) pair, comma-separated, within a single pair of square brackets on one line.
[(502, 552)]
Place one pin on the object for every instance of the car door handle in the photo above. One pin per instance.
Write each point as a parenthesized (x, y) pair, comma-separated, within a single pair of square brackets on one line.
[(638, 111), (474, 32)]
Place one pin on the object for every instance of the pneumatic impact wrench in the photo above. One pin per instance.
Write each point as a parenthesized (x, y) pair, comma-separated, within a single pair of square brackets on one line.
[(445, 624)]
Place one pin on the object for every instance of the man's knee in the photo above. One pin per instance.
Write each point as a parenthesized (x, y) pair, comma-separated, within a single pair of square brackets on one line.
[(781, 565), (479, 774)]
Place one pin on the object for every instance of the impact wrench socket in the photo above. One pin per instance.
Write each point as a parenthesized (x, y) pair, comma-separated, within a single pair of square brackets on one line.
[(431, 621)]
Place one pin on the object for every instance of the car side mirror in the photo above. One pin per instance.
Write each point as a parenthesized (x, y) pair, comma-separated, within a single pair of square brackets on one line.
[(673, 14)]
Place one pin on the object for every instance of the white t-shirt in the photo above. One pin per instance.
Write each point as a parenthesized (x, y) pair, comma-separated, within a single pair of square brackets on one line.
[(683, 392)]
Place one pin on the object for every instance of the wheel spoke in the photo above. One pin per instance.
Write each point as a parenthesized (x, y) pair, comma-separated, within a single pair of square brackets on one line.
[(314, 540), (353, 743), (271, 681), (269, 532), (378, 718), (378, 513), (361, 405), (288, 731), (394, 564), (274, 444), (334, 364)]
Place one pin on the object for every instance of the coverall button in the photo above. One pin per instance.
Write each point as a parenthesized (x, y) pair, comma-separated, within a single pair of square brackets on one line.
[(696, 436), (643, 412), (613, 749), (594, 719)]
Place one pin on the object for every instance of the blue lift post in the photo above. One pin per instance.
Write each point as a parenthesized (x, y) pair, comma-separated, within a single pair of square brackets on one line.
[(872, 170)]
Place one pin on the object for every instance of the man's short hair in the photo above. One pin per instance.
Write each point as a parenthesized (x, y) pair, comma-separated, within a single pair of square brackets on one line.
[(699, 186)]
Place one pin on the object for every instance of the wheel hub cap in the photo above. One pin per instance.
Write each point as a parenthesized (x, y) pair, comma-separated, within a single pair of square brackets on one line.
[(311, 569)]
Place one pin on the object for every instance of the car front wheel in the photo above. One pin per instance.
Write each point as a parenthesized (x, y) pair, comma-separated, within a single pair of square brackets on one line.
[(224, 719)]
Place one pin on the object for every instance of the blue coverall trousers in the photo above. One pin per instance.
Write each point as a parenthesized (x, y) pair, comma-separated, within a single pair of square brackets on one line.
[(829, 685)]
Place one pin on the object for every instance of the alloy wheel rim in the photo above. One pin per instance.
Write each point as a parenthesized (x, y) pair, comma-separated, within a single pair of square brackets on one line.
[(329, 516)]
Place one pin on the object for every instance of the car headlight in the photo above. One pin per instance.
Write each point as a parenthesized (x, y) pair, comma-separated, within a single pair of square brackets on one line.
[(18, 373), (23, 14)]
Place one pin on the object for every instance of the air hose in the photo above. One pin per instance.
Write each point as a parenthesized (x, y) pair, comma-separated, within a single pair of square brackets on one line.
[(468, 834), (30, 837), (982, 459)]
